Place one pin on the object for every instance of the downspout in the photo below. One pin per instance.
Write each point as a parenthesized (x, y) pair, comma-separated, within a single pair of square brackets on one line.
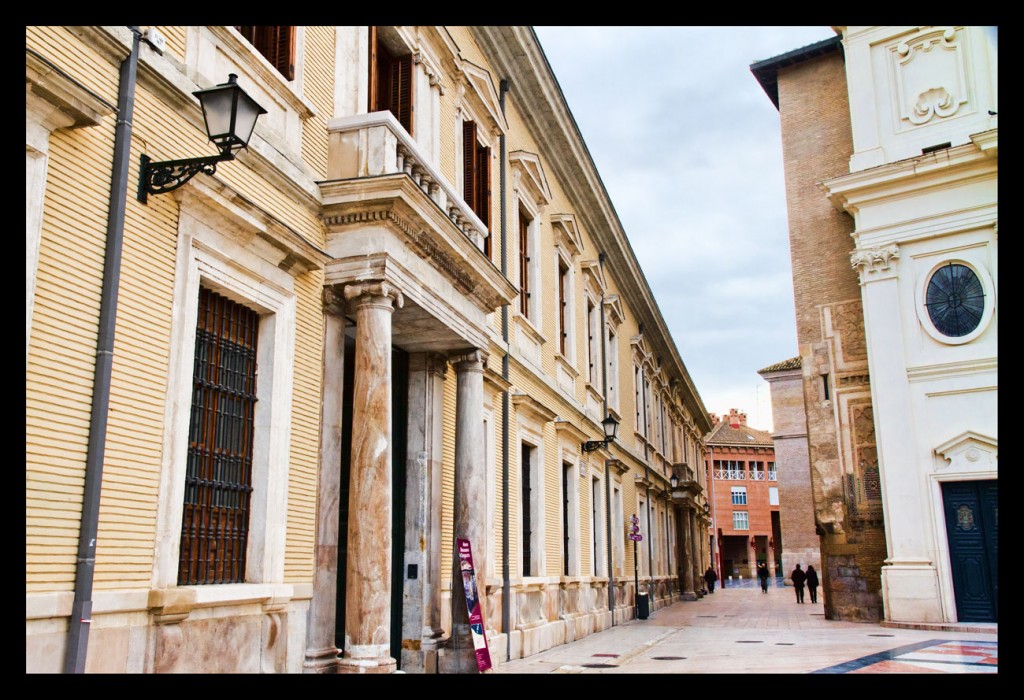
[(607, 469), (81, 608), (505, 582)]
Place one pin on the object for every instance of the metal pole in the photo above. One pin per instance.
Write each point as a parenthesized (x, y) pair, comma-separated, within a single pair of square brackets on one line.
[(505, 579), (81, 609), (636, 584)]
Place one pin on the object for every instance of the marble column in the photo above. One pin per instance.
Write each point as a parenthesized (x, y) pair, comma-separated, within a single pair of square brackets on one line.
[(771, 559), (322, 655), (421, 613), (470, 520), (368, 575), (688, 562)]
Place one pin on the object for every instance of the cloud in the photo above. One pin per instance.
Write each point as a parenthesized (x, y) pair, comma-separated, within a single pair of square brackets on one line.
[(688, 146)]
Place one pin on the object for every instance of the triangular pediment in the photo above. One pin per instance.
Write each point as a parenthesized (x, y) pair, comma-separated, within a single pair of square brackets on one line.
[(613, 307), (640, 348), (531, 175), (594, 275), (567, 233), (481, 90), (969, 451)]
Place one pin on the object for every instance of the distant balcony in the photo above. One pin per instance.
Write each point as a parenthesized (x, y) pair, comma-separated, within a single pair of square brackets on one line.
[(773, 475), (375, 144), (734, 474), (757, 476)]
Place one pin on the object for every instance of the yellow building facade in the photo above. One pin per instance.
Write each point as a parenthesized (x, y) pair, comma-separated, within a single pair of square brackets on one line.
[(261, 406)]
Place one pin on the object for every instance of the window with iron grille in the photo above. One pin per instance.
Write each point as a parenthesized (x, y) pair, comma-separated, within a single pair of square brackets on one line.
[(390, 81), (563, 305), (277, 44), (218, 473), (476, 178)]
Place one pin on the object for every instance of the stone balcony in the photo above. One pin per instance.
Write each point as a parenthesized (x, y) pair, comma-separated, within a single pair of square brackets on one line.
[(374, 144)]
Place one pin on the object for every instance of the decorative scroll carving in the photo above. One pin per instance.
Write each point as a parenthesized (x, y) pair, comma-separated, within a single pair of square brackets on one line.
[(930, 75), (333, 300)]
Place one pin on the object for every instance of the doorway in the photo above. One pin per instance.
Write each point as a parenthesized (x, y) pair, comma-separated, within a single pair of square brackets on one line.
[(971, 510)]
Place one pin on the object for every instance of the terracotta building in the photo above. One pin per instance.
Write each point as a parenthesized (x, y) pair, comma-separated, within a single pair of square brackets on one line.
[(398, 312), (890, 148), (743, 481)]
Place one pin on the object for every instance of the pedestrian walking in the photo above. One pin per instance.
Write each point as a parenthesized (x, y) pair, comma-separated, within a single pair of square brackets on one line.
[(709, 578), (799, 577), (812, 583), (762, 574)]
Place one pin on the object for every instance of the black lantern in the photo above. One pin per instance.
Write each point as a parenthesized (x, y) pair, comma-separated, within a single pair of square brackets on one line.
[(674, 480), (230, 117), (611, 427), (707, 508)]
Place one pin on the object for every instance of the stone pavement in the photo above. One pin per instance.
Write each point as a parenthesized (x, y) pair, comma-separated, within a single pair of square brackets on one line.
[(739, 629)]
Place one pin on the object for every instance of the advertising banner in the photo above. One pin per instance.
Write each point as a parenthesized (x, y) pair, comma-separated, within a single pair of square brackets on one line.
[(476, 616)]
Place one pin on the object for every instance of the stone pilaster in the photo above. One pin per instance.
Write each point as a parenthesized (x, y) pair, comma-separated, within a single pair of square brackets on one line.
[(688, 564), (421, 612), (368, 575), (322, 655)]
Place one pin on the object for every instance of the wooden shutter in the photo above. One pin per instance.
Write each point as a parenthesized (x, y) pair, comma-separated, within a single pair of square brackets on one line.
[(469, 162), (524, 259), (277, 44), (374, 81), (562, 278), (483, 198), (401, 91)]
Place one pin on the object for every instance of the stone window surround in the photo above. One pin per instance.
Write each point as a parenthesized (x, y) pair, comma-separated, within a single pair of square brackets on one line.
[(211, 52), (52, 101), (598, 529), (211, 257)]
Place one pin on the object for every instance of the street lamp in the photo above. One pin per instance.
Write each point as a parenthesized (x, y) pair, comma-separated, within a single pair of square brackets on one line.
[(611, 426), (230, 117), (674, 480), (707, 508)]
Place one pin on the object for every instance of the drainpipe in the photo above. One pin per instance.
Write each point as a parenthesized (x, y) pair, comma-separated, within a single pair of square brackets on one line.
[(81, 608), (607, 469), (505, 582)]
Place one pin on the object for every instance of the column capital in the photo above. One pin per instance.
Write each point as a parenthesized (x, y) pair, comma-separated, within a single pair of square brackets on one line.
[(375, 292), (333, 301), (471, 359), (873, 261)]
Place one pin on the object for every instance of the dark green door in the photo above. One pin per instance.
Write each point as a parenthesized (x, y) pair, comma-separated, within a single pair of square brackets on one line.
[(972, 530)]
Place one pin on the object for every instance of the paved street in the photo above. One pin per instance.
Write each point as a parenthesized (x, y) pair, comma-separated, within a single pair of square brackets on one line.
[(739, 629)]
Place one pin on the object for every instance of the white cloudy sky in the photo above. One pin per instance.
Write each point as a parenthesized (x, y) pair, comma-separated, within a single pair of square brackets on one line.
[(688, 146)]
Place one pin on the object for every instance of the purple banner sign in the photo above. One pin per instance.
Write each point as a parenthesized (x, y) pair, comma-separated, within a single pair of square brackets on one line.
[(476, 616)]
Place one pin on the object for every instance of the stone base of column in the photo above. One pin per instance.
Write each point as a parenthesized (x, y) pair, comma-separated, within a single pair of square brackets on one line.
[(424, 659), (459, 660), (689, 595), (385, 665), (321, 661)]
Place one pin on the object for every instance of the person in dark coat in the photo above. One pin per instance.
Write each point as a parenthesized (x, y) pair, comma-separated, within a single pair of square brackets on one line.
[(799, 577), (762, 575), (709, 578), (812, 583)]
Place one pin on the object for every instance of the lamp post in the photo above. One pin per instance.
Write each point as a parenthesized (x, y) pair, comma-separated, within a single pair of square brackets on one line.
[(230, 117)]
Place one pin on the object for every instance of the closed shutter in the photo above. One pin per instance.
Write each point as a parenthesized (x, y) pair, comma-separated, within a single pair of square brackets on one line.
[(469, 161), (524, 259), (401, 91), (277, 44)]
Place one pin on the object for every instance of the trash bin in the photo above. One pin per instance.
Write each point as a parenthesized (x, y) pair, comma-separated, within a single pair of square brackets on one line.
[(642, 606)]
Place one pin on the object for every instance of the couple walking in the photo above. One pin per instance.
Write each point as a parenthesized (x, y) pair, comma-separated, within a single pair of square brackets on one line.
[(800, 577)]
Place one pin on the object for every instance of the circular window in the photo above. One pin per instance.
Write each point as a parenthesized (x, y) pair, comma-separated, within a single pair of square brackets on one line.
[(955, 300)]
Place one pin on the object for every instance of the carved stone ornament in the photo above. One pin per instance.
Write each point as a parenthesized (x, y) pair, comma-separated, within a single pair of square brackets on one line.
[(873, 259), (930, 75), (382, 290)]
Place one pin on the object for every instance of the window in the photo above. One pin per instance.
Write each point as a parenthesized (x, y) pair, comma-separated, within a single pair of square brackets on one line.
[(613, 370), (476, 180), (773, 474), (618, 530), (757, 471), (638, 391), (563, 304), (596, 522), (568, 520), (390, 81), (593, 334), (825, 389), (773, 495), (955, 300), (277, 44), (218, 473), (729, 469), (524, 263), (526, 498), (739, 521), (739, 495)]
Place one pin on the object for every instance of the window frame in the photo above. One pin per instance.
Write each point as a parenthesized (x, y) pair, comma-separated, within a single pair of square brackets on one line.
[(740, 520)]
